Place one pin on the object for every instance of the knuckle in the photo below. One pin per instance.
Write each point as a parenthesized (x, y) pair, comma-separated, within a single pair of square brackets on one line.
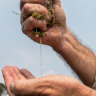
[(25, 7), (44, 23), (16, 68), (23, 29), (43, 26), (43, 9), (21, 1), (31, 20)]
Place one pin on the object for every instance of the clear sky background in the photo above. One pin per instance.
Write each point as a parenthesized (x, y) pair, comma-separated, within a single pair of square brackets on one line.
[(16, 49)]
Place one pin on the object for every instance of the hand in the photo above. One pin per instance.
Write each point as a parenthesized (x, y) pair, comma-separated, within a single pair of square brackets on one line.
[(23, 83), (55, 33), (12, 74), (50, 86)]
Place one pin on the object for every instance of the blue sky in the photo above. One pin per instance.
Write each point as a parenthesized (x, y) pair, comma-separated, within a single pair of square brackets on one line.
[(16, 49)]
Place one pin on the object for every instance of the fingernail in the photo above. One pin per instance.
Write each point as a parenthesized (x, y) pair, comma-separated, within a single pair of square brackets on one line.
[(12, 87)]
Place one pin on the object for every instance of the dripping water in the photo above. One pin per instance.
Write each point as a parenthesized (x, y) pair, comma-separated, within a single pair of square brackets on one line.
[(41, 64)]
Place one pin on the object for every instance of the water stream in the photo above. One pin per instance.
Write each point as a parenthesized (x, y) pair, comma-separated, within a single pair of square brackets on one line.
[(41, 63)]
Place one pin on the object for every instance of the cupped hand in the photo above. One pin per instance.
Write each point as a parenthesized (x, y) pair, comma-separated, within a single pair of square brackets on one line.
[(54, 85), (12, 73), (23, 83)]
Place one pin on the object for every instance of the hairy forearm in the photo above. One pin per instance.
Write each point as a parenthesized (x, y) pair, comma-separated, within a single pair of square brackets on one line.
[(81, 59)]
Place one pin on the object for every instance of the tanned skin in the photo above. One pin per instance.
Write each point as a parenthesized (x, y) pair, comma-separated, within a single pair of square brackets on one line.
[(81, 59)]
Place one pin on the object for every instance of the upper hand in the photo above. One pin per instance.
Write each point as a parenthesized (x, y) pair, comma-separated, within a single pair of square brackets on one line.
[(54, 85), (53, 34)]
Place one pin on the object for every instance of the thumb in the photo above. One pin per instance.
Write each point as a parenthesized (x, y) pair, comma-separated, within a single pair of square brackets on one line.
[(24, 87), (27, 74)]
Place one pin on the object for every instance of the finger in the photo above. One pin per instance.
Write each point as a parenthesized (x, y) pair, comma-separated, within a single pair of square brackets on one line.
[(22, 2), (26, 74), (23, 87), (42, 2), (11, 73), (32, 87), (7, 78), (31, 23), (37, 38), (29, 9)]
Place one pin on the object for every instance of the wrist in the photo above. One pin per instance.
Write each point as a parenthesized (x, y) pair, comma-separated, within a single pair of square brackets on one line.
[(62, 44)]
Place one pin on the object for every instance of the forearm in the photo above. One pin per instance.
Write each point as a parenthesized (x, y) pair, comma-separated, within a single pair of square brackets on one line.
[(82, 60)]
